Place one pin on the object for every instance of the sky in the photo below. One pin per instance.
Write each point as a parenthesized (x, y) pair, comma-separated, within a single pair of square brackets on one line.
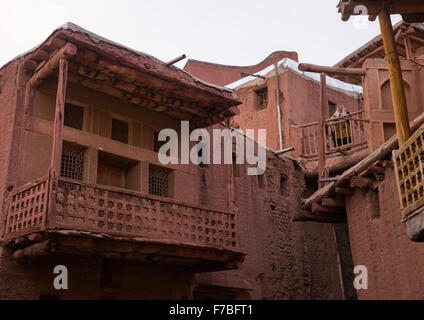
[(233, 32)]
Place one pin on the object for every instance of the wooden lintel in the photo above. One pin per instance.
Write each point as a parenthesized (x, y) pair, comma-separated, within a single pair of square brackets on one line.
[(66, 52), (333, 202), (329, 70)]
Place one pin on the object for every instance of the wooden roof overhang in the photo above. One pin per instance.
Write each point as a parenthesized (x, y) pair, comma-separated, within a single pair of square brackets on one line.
[(411, 10), (133, 76), (375, 49)]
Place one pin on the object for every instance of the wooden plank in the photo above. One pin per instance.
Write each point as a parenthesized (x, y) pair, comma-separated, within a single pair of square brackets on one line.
[(329, 70)]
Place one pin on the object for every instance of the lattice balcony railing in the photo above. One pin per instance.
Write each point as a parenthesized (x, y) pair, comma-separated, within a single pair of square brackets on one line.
[(27, 209), (117, 212), (409, 168)]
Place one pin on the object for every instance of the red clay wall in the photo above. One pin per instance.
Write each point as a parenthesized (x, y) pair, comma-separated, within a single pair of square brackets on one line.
[(223, 75), (11, 100), (379, 242)]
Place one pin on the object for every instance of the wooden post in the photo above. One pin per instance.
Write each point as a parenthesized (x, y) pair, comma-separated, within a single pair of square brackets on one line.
[(396, 81), (230, 177), (56, 158), (321, 130), (408, 48)]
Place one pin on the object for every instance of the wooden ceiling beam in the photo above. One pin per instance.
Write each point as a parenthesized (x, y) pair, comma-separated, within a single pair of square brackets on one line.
[(138, 91), (125, 96), (66, 52)]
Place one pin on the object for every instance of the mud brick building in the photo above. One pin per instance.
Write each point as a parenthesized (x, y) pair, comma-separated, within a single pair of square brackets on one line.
[(81, 186), (361, 186)]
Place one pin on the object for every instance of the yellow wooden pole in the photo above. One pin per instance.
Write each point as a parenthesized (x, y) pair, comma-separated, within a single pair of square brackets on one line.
[(321, 130), (395, 74)]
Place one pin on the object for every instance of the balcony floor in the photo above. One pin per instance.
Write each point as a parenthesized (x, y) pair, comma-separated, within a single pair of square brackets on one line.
[(198, 258)]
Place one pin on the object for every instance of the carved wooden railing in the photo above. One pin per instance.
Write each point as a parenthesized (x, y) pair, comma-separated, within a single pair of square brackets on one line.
[(340, 134), (116, 212)]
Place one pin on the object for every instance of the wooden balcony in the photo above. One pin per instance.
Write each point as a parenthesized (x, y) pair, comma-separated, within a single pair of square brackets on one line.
[(77, 218), (340, 134)]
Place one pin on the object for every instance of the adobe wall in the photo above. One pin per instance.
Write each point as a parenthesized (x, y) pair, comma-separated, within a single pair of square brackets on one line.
[(223, 75), (300, 104), (285, 259), (379, 242), (11, 104), (89, 279)]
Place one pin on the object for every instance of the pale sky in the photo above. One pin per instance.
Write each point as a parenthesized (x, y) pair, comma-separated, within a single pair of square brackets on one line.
[(234, 32)]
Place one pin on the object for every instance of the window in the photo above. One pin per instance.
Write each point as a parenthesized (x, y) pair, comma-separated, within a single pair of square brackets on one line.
[(159, 181), (261, 98), (332, 107), (117, 171), (120, 130), (236, 172), (261, 181), (72, 166), (158, 144), (74, 116), (283, 182)]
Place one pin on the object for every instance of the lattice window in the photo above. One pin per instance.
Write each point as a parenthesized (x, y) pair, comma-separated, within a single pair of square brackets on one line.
[(120, 130), (158, 181), (72, 162), (74, 116)]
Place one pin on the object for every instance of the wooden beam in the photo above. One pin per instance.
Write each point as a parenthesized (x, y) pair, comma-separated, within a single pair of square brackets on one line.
[(322, 172), (38, 249), (329, 70), (408, 48), (333, 202), (317, 208), (56, 156), (322, 217), (395, 74), (66, 52), (135, 92)]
